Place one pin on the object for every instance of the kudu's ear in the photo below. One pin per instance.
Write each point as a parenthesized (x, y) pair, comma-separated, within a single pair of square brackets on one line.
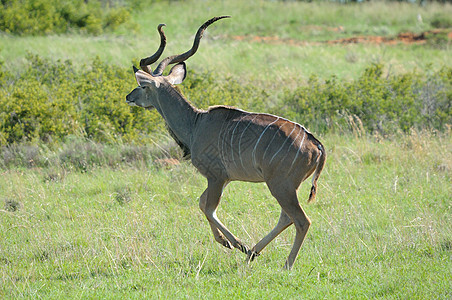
[(177, 73), (141, 77)]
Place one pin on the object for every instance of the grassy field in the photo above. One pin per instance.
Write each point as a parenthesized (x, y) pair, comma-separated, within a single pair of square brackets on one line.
[(381, 229), (299, 27), (120, 225)]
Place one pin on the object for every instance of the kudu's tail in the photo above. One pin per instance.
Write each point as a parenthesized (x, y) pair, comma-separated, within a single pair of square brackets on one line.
[(320, 163)]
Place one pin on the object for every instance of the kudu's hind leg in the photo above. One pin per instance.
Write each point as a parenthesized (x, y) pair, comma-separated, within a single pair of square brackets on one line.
[(219, 237), (212, 199), (287, 198), (283, 222)]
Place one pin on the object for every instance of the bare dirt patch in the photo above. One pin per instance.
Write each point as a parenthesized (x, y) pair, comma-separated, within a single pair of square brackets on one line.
[(404, 37)]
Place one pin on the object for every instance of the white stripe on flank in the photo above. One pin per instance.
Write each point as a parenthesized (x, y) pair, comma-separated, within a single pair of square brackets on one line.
[(259, 139), (240, 140), (268, 146), (280, 148), (223, 152), (219, 135), (298, 151), (232, 137), (298, 134)]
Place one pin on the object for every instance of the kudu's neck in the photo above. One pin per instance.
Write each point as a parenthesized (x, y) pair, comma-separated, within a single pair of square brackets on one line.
[(178, 113)]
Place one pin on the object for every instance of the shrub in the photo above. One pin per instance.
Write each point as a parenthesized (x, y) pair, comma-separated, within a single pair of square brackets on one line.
[(32, 17), (52, 100), (441, 20), (204, 90), (384, 104)]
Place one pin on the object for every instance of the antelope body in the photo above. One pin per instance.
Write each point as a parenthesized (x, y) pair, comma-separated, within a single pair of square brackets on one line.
[(228, 144)]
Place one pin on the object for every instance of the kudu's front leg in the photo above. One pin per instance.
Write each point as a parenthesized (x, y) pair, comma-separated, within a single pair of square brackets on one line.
[(209, 202), (219, 237)]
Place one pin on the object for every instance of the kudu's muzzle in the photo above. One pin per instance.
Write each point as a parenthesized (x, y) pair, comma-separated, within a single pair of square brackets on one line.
[(130, 101)]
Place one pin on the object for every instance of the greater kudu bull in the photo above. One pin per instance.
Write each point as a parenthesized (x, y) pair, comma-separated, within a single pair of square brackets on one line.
[(228, 144)]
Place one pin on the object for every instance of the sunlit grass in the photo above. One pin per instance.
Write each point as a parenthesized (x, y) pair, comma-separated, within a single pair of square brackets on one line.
[(381, 228), (271, 63)]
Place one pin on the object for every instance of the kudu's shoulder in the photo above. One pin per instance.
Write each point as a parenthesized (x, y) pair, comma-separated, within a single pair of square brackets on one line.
[(223, 112), (230, 113), (225, 109)]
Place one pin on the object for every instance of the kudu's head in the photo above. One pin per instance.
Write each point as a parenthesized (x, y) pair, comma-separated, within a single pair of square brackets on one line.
[(150, 83)]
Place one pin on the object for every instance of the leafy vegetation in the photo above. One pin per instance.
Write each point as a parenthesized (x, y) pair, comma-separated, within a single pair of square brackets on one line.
[(378, 103), (25, 17), (52, 100), (441, 20)]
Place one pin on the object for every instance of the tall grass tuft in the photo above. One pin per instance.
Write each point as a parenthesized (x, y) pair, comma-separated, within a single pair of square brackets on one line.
[(80, 154)]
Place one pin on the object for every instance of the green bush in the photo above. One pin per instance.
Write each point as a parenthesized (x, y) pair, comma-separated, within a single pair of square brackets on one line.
[(441, 20), (32, 17), (204, 90), (52, 100), (382, 103)]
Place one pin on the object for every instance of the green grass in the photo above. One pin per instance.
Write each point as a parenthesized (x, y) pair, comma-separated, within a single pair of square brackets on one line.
[(272, 64), (381, 229)]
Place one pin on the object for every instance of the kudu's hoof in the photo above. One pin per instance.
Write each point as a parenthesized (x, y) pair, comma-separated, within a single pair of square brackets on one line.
[(243, 248), (251, 255), (227, 244)]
